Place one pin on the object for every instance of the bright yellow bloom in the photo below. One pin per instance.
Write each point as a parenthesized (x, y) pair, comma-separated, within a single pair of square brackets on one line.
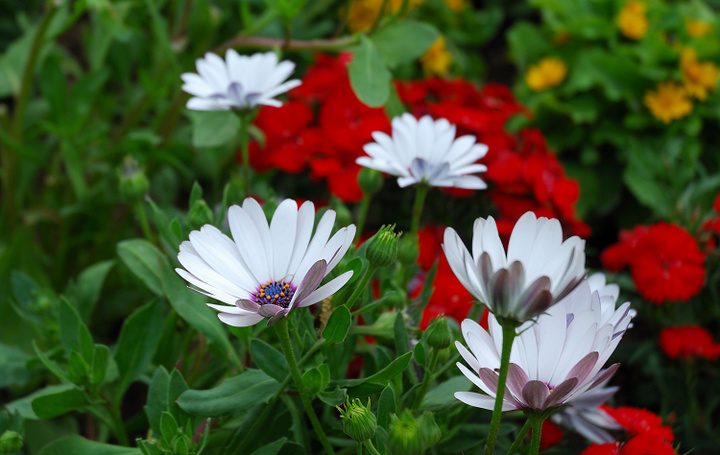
[(669, 102), (698, 77), (697, 28), (363, 13), (455, 5), (547, 73), (632, 20), (437, 59)]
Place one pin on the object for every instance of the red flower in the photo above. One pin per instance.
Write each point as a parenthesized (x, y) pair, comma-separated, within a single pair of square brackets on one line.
[(610, 448), (688, 341), (639, 445), (551, 435), (640, 421), (716, 204)]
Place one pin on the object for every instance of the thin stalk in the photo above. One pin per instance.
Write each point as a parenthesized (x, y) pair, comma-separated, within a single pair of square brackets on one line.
[(536, 423), (284, 335), (244, 148), (143, 219), (370, 447), (427, 379), (519, 438), (420, 194), (362, 284), (508, 330), (362, 214)]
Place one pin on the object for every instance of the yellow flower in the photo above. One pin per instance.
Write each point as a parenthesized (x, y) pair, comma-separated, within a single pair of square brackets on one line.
[(437, 59), (632, 20), (547, 73), (363, 13), (455, 5), (698, 77), (697, 28), (669, 102)]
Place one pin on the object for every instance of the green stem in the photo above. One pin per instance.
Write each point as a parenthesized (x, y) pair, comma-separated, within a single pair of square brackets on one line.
[(362, 215), (244, 148), (284, 335), (427, 379), (508, 331), (362, 284), (536, 422), (370, 447), (420, 193), (519, 438), (143, 219)]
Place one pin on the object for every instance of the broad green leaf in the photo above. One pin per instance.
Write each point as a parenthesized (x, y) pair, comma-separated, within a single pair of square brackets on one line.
[(86, 290), (249, 389), (98, 369), (386, 407), (168, 426), (157, 398), (13, 369), (214, 128), (23, 406), (369, 77), (313, 381), (77, 445), (271, 449), (145, 261), (50, 364), (136, 345), (395, 368), (74, 334), (526, 44), (59, 403), (27, 292), (444, 393), (335, 397), (338, 325), (403, 41), (269, 359), (402, 345)]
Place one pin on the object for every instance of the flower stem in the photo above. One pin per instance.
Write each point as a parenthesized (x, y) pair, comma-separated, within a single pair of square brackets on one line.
[(284, 335), (362, 215), (362, 284), (370, 447), (420, 193), (427, 379), (508, 331), (536, 423), (244, 149), (519, 438)]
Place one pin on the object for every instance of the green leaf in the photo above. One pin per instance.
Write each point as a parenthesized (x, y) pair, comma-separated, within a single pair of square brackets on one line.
[(338, 325), (526, 44), (50, 364), (313, 381), (99, 364), (269, 359), (335, 397), (168, 426), (23, 406), (13, 370), (145, 261), (74, 334), (419, 354), (403, 41), (214, 128), (86, 291), (157, 398), (386, 406), (444, 393), (59, 403), (369, 77), (402, 345), (77, 445), (195, 194), (136, 345), (249, 389), (271, 449)]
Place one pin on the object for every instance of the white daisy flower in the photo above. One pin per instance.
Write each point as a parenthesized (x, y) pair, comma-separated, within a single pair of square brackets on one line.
[(538, 270), (266, 270), (238, 82), (585, 416), (426, 151), (554, 361)]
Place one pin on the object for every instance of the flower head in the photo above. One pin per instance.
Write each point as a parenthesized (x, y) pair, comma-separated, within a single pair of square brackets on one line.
[(426, 151), (267, 269), (364, 13), (554, 361), (669, 102), (696, 28), (437, 59), (698, 78), (238, 82), (538, 270), (687, 342), (632, 20), (547, 73)]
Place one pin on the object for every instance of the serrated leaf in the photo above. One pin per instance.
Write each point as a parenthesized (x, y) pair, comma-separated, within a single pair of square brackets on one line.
[(369, 77)]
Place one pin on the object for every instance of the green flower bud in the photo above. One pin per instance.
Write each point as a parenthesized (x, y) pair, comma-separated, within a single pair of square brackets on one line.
[(200, 214), (370, 180), (10, 442), (429, 430), (404, 435), (358, 421), (438, 334), (134, 184), (408, 249), (382, 248)]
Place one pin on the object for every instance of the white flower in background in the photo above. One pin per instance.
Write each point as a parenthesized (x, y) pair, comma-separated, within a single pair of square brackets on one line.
[(554, 361), (538, 270), (585, 416), (238, 82), (266, 270), (426, 151)]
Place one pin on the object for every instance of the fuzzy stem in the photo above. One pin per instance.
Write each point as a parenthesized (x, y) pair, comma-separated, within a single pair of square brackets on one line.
[(284, 335), (508, 331), (362, 215), (362, 284), (370, 447), (244, 148), (536, 422), (519, 438), (420, 193)]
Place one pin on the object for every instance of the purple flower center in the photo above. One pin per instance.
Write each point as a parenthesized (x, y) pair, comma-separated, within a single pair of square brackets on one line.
[(277, 293)]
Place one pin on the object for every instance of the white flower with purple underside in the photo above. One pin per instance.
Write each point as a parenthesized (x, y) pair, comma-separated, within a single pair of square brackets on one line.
[(426, 151), (238, 82), (538, 270), (555, 361), (267, 269)]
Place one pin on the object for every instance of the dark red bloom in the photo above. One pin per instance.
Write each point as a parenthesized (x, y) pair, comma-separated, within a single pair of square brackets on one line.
[(716, 204), (551, 435), (664, 259), (687, 342), (610, 448), (642, 444), (640, 421)]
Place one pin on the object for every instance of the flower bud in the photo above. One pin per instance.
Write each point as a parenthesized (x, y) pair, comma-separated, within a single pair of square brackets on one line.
[(429, 430), (408, 249), (10, 442), (134, 183), (438, 334), (370, 180), (404, 435), (382, 248), (358, 421), (200, 214)]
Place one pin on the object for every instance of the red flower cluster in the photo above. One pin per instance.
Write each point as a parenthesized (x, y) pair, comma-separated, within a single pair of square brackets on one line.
[(710, 229), (664, 259), (687, 342), (649, 435), (526, 174)]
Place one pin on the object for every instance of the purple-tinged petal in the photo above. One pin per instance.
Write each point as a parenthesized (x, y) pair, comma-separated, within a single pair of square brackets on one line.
[(490, 378), (269, 310), (516, 380), (560, 393), (604, 376), (277, 316), (534, 394), (310, 282), (582, 369), (248, 305)]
